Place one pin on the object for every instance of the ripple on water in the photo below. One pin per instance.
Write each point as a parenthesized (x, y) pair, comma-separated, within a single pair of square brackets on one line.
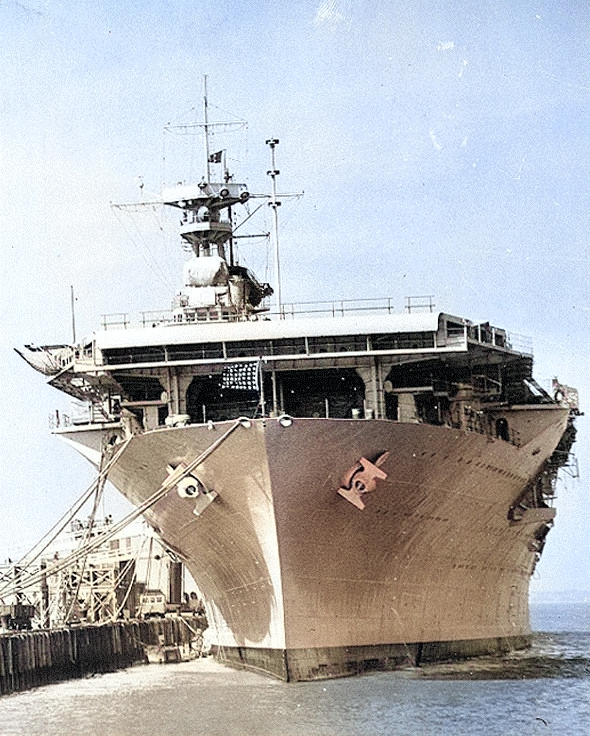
[(543, 690), (551, 655)]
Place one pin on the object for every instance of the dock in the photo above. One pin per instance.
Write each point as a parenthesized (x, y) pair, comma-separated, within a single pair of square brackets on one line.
[(29, 659)]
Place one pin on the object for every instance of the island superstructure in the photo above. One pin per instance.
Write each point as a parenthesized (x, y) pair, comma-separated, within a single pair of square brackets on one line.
[(350, 487)]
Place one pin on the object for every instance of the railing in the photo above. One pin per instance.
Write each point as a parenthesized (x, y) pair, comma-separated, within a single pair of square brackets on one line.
[(117, 320), (58, 420), (420, 303), (330, 308), (81, 414), (336, 308), (485, 334), (519, 343), (157, 317), (96, 525), (333, 308)]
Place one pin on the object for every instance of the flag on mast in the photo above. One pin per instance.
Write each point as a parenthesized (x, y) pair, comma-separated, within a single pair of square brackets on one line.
[(215, 158)]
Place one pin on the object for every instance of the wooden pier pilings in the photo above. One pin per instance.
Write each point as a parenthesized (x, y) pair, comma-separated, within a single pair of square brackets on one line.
[(32, 658)]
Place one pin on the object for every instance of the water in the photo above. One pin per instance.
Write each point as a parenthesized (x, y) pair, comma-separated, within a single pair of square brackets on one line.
[(545, 690)]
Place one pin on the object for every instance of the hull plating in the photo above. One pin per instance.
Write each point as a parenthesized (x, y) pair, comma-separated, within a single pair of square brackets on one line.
[(297, 578)]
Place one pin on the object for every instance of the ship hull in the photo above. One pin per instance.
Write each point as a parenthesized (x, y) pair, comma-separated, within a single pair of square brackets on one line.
[(302, 584), (324, 663)]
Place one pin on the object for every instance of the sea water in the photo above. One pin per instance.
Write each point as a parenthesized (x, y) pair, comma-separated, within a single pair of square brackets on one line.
[(544, 690)]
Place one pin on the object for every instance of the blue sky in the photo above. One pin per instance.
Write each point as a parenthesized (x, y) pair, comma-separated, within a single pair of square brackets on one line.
[(442, 148)]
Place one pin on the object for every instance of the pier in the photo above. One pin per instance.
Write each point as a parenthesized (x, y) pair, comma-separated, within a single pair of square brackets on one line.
[(29, 659)]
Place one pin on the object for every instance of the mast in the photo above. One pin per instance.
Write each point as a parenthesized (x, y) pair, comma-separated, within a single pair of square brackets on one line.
[(274, 203), (73, 312), (206, 127), (236, 293)]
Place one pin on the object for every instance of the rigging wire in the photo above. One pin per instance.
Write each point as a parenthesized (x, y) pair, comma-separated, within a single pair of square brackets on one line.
[(250, 214), (193, 130), (237, 121), (122, 574), (268, 258), (33, 554), (171, 252), (148, 571), (74, 596), (155, 266), (99, 495), (93, 545), (53, 607)]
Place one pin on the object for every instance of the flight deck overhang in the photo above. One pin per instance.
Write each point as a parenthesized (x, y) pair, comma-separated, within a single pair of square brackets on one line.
[(349, 340), (266, 330)]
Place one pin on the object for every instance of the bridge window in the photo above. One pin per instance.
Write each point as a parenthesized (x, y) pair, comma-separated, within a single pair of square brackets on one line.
[(338, 344), (403, 341), (195, 351), (146, 354), (289, 346), (247, 349)]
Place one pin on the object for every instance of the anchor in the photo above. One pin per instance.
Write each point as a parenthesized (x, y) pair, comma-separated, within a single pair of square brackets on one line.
[(361, 479)]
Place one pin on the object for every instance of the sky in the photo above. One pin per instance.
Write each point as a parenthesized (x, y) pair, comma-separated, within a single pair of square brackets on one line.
[(442, 148)]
